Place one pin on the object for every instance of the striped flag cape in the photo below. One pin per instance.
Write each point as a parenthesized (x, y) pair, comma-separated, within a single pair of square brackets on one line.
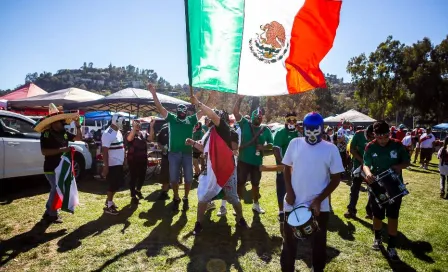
[(259, 47), (220, 167), (66, 197)]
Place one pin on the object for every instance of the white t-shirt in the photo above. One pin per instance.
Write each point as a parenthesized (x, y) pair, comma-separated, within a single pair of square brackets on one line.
[(428, 142), (311, 169), (114, 141), (407, 141)]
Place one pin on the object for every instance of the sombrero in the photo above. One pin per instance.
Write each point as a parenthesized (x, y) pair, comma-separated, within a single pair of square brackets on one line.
[(55, 115)]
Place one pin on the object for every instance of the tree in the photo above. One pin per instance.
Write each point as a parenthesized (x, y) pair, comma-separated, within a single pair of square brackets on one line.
[(90, 65)]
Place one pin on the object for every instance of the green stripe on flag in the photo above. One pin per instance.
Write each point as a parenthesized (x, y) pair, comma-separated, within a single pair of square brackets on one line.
[(214, 37)]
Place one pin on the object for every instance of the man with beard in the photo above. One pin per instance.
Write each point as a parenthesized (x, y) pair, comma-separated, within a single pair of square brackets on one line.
[(357, 147), (281, 142), (179, 155), (255, 138)]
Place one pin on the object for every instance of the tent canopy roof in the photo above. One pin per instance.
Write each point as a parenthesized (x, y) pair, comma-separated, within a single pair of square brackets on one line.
[(442, 126), (129, 99), (28, 90), (352, 116), (58, 98)]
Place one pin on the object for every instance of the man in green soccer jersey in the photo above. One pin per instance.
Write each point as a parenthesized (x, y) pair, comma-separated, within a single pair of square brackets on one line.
[(180, 155), (357, 146), (281, 141), (382, 154), (255, 138)]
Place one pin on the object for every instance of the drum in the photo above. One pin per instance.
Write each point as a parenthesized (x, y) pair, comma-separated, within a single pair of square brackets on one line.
[(387, 188), (303, 222)]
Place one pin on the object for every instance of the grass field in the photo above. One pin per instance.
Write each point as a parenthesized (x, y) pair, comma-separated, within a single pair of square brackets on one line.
[(152, 238)]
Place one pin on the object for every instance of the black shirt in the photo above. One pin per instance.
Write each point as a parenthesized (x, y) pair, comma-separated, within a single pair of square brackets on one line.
[(227, 134), (162, 136), (50, 139)]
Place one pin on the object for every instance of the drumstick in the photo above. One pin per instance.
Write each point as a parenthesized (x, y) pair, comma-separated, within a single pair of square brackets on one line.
[(272, 168)]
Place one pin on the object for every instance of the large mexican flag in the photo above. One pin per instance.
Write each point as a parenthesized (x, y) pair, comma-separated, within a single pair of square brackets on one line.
[(259, 47), (66, 197)]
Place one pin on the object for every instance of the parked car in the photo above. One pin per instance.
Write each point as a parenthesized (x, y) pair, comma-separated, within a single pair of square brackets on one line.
[(157, 126), (20, 153)]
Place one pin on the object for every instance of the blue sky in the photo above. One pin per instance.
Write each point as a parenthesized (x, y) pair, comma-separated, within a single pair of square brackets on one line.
[(49, 35)]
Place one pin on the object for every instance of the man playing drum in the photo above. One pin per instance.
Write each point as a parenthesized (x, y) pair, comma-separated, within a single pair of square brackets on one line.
[(312, 172), (382, 154)]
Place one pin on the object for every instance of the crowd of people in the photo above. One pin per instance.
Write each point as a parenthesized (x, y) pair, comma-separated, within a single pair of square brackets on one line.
[(310, 162)]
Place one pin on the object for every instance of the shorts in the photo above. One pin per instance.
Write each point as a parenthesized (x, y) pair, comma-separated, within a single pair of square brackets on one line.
[(245, 169), (164, 177), (281, 188), (196, 155), (178, 160), (391, 211), (229, 189), (425, 154), (115, 177)]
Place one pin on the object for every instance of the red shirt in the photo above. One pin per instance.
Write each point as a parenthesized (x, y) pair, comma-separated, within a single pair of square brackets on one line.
[(399, 135)]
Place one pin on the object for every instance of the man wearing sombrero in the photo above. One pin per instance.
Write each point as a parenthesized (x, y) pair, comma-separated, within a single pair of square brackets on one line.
[(53, 143)]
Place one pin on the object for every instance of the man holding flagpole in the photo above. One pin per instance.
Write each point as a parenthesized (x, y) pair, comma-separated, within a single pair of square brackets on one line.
[(180, 156), (220, 144)]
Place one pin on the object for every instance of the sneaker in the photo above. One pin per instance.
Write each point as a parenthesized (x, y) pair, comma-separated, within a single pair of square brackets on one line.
[(134, 201), (210, 206), (111, 210), (53, 219), (256, 207), (113, 205), (234, 213), (350, 214), (197, 228), (176, 203), (163, 196), (222, 211), (377, 244), (139, 194), (393, 255), (368, 216), (242, 223), (185, 205)]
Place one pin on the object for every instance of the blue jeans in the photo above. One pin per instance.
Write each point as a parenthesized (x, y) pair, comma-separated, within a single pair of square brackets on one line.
[(52, 180), (281, 188), (178, 160)]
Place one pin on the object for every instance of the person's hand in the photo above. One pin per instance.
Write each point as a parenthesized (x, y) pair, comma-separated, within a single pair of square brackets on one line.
[(189, 141), (396, 169), (153, 122), (105, 171), (315, 207), (194, 100), (370, 178), (134, 125), (151, 88), (236, 153), (290, 198)]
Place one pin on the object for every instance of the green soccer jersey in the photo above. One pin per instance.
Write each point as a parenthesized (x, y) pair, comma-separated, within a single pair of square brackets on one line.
[(282, 138), (380, 158), (248, 154), (179, 131), (198, 134), (358, 142)]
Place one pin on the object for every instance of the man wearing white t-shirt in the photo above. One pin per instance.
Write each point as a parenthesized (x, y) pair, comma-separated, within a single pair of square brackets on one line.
[(312, 172), (426, 148), (113, 158)]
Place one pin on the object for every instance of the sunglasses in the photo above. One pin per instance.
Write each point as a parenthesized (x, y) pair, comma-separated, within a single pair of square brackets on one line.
[(291, 119)]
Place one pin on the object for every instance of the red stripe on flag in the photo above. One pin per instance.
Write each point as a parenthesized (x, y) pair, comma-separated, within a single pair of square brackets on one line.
[(312, 36), (221, 158), (57, 202)]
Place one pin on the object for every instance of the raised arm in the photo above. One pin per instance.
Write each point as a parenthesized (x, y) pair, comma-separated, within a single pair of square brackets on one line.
[(205, 110), (236, 108), (209, 103), (161, 109)]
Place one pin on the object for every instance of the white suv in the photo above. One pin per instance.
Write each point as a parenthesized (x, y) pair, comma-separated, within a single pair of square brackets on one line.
[(20, 153)]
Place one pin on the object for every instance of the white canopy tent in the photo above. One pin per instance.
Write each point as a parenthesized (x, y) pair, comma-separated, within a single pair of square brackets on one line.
[(355, 117)]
